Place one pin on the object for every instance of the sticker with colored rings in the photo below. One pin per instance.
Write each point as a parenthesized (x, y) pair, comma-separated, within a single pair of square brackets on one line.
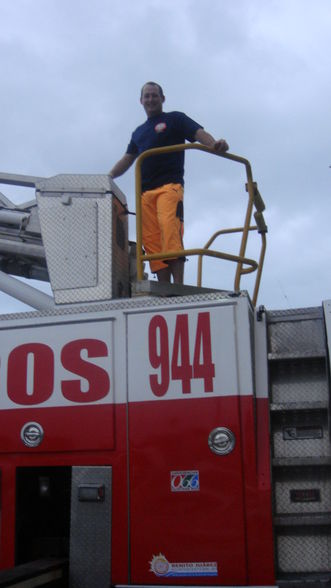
[(185, 481)]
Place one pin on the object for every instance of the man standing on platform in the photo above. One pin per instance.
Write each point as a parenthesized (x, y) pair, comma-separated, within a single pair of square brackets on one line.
[(163, 177)]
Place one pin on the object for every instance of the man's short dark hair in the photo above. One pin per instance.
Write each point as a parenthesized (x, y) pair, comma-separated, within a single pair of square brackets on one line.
[(152, 84)]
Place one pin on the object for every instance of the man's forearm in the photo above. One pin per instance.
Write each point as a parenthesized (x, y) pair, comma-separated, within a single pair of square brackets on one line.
[(117, 170), (122, 165), (204, 138), (208, 140)]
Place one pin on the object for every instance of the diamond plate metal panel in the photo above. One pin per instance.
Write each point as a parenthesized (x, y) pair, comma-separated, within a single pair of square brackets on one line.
[(80, 184), (299, 381), (294, 313), (289, 482), (103, 288), (304, 552), (87, 258), (124, 304), (90, 531), (297, 337), (301, 434), (70, 237)]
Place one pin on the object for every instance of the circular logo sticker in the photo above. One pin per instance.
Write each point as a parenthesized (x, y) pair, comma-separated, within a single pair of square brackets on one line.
[(160, 127), (160, 565)]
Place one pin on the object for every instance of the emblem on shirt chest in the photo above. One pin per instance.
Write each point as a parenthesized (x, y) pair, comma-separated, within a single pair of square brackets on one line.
[(160, 127)]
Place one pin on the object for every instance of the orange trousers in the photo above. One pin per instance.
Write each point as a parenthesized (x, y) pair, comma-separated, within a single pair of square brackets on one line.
[(162, 221)]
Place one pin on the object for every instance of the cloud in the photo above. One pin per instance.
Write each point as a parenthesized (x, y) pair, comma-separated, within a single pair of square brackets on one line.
[(256, 73)]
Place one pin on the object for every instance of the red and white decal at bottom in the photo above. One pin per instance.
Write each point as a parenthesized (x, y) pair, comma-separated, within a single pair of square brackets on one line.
[(161, 567)]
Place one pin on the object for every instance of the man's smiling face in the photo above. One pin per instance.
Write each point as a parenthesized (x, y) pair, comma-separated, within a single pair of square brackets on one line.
[(151, 100)]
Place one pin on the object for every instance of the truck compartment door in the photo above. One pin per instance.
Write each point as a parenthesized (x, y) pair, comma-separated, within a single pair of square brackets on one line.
[(187, 372)]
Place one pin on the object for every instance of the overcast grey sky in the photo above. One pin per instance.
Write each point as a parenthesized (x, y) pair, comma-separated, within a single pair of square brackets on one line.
[(256, 72)]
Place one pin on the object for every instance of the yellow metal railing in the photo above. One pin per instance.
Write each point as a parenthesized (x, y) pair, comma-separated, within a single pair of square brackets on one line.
[(245, 265)]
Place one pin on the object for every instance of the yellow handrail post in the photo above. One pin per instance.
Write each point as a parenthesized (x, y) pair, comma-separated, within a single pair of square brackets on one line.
[(246, 224), (139, 224), (259, 270)]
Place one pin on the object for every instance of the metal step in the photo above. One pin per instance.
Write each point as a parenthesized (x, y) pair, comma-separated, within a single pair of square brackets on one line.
[(303, 551), (295, 406), (299, 380), (302, 461), (296, 333), (310, 520), (50, 572), (304, 581)]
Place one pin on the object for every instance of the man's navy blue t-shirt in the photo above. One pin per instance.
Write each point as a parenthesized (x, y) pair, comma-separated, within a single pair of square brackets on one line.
[(167, 128)]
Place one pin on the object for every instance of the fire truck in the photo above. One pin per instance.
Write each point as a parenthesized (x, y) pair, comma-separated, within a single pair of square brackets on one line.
[(154, 434)]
